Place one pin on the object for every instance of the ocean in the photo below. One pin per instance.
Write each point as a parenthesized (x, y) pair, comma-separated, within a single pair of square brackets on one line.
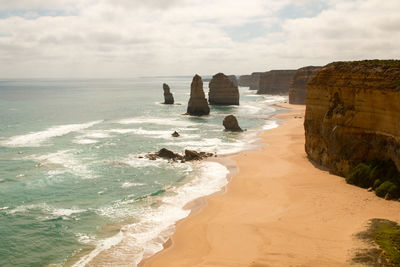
[(73, 183)]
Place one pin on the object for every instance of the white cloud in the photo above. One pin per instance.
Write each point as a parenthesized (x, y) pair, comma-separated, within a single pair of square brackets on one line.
[(123, 38)]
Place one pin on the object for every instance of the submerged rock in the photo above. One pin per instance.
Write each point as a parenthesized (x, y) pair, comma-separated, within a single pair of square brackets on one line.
[(197, 105), (174, 157), (192, 155), (168, 97), (231, 124), (223, 91)]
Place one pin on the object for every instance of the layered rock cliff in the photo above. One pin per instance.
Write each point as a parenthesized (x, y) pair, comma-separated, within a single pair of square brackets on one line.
[(255, 80), (353, 114), (275, 82), (168, 97), (223, 91), (197, 105), (297, 90)]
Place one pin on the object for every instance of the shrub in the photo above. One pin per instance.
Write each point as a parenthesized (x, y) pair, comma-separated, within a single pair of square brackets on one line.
[(360, 176), (377, 183), (387, 187)]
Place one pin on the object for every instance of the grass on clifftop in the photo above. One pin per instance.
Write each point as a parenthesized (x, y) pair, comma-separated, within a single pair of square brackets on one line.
[(382, 176), (384, 236)]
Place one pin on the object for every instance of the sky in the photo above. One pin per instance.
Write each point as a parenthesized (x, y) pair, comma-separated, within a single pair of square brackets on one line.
[(132, 38)]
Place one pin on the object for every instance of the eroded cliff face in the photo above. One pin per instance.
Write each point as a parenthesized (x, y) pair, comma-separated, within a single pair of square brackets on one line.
[(297, 90), (223, 91), (353, 114), (275, 82), (255, 80)]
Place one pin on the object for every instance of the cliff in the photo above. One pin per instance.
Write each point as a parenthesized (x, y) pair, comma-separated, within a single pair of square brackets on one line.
[(297, 90), (223, 91), (197, 105), (353, 115), (275, 82), (244, 80), (255, 80)]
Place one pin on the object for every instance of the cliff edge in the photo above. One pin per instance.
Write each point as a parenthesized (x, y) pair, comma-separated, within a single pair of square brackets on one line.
[(297, 90), (353, 114), (275, 82)]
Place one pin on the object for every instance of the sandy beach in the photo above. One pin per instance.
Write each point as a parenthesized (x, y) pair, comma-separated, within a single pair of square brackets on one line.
[(278, 210)]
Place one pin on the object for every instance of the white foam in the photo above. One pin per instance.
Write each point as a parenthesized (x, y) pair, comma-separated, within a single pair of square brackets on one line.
[(146, 237), (85, 141), (128, 184), (270, 125), (66, 159), (36, 138), (66, 212), (157, 121)]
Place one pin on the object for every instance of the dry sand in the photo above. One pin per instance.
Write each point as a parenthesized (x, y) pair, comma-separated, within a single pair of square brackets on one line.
[(278, 210)]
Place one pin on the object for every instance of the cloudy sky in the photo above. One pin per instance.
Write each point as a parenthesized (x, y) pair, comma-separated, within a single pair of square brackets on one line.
[(129, 38)]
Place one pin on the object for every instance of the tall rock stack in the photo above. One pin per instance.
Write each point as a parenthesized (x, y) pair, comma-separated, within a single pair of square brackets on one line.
[(297, 90), (244, 80), (197, 105), (353, 114), (168, 97), (223, 91), (275, 82)]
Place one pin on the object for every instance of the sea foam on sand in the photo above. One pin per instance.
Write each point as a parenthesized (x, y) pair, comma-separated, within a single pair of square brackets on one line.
[(146, 237)]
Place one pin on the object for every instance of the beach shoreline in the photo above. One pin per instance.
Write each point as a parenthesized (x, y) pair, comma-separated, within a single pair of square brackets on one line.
[(303, 226)]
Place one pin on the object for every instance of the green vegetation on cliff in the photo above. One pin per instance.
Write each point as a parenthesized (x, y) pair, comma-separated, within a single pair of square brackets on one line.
[(382, 176)]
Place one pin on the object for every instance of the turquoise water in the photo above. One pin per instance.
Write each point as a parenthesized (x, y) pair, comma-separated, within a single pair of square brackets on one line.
[(72, 182)]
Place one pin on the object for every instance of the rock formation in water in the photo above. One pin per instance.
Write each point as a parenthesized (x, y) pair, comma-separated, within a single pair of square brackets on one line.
[(244, 80), (255, 80), (353, 114), (168, 97), (233, 79), (231, 124), (222, 91), (174, 157), (175, 134), (275, 82), (197, 105), (297, 90)]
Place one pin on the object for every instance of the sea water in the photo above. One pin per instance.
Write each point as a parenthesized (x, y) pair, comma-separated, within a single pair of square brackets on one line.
[(73, 180)]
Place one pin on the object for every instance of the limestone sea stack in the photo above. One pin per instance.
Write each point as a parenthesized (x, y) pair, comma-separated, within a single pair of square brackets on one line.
[(223, 91), (168, 97), (353, 114), (233, 79), (275, 82), (297, 90), (244, 80), (197, 105), (231, 124)]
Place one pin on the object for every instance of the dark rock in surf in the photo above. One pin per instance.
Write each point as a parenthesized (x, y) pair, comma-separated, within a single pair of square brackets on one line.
[(231, 124)]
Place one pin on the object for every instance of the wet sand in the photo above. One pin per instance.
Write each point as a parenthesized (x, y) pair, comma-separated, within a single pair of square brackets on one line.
[(278, 210)]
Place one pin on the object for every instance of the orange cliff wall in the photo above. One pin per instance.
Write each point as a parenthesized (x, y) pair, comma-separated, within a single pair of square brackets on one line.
[(297, 90), (353, 114)]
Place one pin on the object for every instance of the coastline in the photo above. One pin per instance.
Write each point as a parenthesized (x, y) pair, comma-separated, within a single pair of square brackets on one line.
[(295, 214)]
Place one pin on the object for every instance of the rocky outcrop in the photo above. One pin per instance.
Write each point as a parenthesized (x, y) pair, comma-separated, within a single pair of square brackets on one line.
[(244, 80), (297, 90), (168, 97), (233, 79), (169, 155), (222, 91), (275, 82), (255, 80), (197, 105), (231, 124), (175, 134), (353, 114)]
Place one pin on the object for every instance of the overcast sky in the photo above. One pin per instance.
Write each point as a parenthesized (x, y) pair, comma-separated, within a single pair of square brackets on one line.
[(129, 38)]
